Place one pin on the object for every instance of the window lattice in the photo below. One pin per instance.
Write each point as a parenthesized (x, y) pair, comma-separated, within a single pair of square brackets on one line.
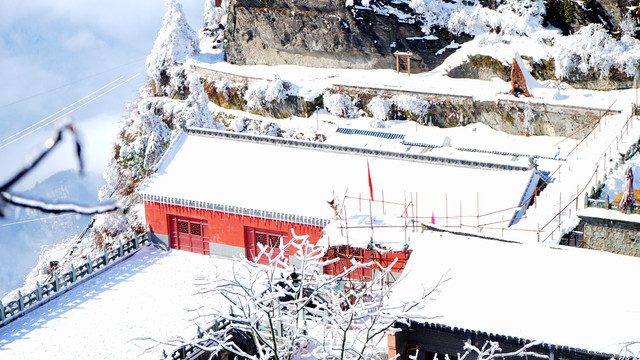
[(262, 239), (196, 229), (274, 240), (183, 227)]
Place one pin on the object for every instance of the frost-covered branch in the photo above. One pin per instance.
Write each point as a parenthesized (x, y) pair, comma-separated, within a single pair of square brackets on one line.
[(7, 197), (306, 313), (491, 350)]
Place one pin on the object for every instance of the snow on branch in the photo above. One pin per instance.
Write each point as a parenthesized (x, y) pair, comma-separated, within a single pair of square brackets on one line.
[(305, 314), (7, 197), (491, 350)]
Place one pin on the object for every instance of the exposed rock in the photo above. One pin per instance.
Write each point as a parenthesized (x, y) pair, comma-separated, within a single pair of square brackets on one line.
[(325, 33)]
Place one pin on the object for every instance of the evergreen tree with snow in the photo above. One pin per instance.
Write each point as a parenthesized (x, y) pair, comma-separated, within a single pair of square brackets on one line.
[(175, 43)]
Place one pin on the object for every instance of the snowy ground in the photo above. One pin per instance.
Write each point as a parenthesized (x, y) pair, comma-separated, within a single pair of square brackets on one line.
[(148, 295)]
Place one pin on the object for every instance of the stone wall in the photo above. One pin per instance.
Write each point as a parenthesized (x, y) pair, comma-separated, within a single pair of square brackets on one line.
[(619, 237)]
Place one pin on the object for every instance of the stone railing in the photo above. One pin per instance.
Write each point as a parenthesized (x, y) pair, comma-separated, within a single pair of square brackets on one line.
[(58, 285)]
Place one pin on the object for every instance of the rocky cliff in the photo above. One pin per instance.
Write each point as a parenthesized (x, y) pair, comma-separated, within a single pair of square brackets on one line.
[(326, 33), (366, 33)]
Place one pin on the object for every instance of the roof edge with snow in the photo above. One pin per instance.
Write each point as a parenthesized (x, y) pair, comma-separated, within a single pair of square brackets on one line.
[(368, 152), (237, 210), (506, 338)]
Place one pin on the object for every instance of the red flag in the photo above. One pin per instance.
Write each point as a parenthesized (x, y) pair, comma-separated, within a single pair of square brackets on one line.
[(370, 185), (433, 218)]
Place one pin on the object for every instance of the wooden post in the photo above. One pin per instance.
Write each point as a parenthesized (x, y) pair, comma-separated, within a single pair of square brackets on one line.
[(2, 315), (346, 224), (20, 301), (478, 211), (560, 211), (38, 291), (446, 208)]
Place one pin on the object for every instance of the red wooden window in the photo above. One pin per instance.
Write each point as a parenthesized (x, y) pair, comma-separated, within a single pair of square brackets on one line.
[(255, 236), (189, 234)]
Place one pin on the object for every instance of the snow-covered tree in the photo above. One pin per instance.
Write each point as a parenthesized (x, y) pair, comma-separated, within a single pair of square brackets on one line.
[(306, 314), (213, 14), (176, 41)]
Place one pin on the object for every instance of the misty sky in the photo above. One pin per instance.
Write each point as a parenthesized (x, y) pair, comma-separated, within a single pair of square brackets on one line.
[(53, 53)]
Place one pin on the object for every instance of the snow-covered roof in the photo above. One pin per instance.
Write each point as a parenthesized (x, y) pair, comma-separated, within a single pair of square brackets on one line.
[(268, 176), (559, 295), (148, 296)]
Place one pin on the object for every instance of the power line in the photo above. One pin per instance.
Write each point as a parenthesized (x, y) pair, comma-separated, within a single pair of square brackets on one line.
[(70, 111), (67, 84), (33, 220), (61, 110)]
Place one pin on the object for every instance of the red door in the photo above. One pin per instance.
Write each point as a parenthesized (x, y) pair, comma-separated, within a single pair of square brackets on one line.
[(189, 234), (269, 238)]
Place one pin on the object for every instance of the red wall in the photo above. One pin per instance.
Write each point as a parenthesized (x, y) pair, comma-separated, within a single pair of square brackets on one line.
[(229, 229), (224, 228)]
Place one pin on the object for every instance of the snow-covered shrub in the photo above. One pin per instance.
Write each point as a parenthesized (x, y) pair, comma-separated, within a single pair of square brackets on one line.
[(511, 16), (592, 49), (270, 129), (379, 107), (214, 14), (223, 86), (259, 94), (411, 105), (176, 41), (474, 20), (340, 105), (239, 124), (263, 128), (529, 117)]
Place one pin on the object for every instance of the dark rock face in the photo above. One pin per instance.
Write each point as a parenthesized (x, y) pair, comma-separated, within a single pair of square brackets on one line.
[(325, 33)]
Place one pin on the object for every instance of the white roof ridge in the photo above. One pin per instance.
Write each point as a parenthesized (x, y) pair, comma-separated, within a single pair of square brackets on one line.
[(313, 145)]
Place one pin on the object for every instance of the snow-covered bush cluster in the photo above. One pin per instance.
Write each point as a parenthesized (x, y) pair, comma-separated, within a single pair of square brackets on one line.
[(381, 107), (340, 105), (260, 94), (176, 41), (592, 49), (462, 16), (263, 128), (410, 104)]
